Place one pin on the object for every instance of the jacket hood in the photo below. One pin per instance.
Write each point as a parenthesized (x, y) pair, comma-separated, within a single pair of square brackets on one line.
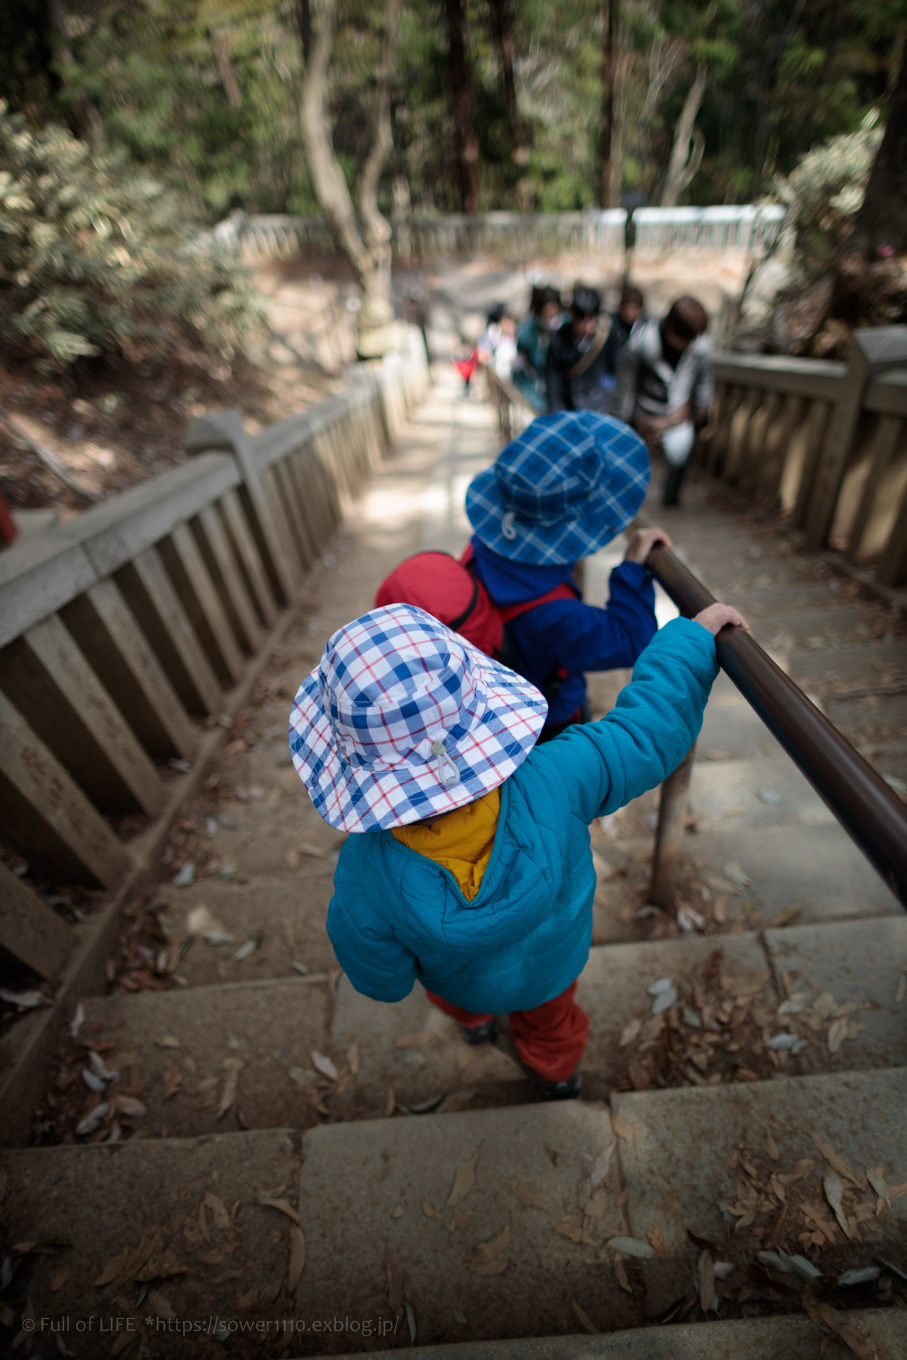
[(512, 582)]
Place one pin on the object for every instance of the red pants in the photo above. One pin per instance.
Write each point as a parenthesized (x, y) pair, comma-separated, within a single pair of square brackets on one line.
[(550, 1039)]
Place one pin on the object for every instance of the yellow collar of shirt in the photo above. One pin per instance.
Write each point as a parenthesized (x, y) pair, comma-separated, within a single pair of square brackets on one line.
[(461, 841)]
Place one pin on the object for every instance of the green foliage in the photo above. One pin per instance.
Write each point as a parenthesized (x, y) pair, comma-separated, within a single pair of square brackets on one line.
[(204, 94), (826, 190), (98, 261)]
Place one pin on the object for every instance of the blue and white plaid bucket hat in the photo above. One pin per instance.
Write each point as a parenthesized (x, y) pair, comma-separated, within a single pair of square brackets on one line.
[(561, 490), (403, 719)]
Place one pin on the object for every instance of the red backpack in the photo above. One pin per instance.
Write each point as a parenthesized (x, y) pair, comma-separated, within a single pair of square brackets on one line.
[(448, 589)]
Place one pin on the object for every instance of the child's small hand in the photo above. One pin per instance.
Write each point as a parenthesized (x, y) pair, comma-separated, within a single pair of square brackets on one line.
[(716, 616), (642, 543)]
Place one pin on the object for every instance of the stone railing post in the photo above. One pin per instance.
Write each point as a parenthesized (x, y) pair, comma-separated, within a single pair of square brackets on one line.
[(873, 351), (222, 431)]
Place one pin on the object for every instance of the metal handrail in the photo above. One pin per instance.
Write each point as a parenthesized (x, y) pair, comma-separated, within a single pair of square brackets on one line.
[(867, 808)]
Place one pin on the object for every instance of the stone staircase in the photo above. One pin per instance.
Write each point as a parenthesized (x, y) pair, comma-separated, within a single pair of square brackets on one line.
[(286, 1168)]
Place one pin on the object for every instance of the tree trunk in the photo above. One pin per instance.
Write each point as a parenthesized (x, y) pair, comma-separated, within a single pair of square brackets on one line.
[(225, 69), (610, 137), (466, 143), (882, 219), (316, 24), (502, 26), (82, 116), (377, 227), (689, 143)]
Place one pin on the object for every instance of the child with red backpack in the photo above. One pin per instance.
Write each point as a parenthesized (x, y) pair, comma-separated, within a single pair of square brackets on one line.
[(561, 490)]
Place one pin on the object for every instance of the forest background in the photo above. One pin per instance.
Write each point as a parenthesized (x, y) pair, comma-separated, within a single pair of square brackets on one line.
[(129, 126), (538, 104)]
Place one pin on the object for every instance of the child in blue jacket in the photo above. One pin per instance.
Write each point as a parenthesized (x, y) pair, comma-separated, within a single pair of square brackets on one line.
[(569, 484), (471, 870)]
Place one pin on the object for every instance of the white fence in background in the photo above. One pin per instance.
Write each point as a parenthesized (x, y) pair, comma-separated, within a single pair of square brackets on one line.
[(744, 227)]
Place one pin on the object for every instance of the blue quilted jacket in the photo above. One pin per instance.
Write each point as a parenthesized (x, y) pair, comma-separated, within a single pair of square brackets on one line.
[(396, 916)]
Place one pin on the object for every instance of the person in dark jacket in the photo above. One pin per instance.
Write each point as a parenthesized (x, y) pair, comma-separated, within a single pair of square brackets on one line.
[(576, 363), (629, 310), (533, 338), (569, 484)]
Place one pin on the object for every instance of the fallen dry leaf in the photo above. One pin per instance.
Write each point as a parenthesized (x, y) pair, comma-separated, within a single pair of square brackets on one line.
[(353, 1061), (282, 1205), (601, 1166), (394, 1269), (463, 1181), (323, 1064), (528, 1194), (746, 985), (113, 1268), (624, 1130), (830, 1320), (430, 1212), (569, 1226), (834, 1161), (834, 1193), (584, 1318), (620, 1270), (630, 1032), (61, 1275), (597, 1204), (837, 1033), (876, 1177), (491, 1268), (705, 1270), (390, 1102), (297, 1257), (172, 1081), (489, 1251), (228, 1095), (218, 1211), (417, 1040)]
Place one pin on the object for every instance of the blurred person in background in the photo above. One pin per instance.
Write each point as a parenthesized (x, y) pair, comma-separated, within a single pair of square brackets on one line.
[(665, 386), (576, 369), (630, 309), (533, 338)]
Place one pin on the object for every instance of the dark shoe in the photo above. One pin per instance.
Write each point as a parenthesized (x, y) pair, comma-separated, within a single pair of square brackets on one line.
[(571, 1089), (486, 1033)]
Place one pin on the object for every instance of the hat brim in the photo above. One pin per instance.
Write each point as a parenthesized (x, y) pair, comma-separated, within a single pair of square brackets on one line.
[(507, 719), (604, 515)]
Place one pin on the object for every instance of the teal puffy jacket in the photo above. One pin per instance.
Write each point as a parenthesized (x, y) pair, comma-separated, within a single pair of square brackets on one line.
[(396, 916)]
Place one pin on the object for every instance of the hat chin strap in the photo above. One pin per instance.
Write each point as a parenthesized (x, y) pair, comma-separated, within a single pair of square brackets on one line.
[(451, 780)]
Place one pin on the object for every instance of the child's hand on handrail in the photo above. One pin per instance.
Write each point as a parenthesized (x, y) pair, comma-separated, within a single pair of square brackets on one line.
[(643, 541), (715, 616)]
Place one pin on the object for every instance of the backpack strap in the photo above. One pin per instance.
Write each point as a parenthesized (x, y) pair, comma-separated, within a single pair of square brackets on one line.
[(565, 591)]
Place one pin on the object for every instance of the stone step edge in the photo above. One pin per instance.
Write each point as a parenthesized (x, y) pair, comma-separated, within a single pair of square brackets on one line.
[(786, 1334)]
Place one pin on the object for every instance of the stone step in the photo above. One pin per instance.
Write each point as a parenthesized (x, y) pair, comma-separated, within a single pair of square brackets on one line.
[(814, 628), (411, 1055), (183, 1216), (370, 1192), (861, 964), (878, 722), (839, 671), (288, 911), (694, 1155), (179, 1050), (814, 873), (783, 1337), (765, 791)]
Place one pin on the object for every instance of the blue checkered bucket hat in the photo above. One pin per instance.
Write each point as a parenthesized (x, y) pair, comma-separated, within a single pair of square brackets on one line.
[(403, 719), (561, 490)]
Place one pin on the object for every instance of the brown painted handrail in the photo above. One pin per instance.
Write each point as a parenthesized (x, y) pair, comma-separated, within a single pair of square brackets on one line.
[(868, 809)]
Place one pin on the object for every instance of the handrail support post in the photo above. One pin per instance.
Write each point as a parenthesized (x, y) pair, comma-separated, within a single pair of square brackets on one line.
[(672, 811)]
